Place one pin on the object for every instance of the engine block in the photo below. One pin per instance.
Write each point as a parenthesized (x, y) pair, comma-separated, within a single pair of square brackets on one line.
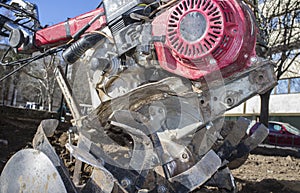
[(203, 36)]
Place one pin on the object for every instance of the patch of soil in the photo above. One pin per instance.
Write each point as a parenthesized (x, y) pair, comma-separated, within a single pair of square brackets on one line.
[(259, 174), (266, 174), (14, 137)]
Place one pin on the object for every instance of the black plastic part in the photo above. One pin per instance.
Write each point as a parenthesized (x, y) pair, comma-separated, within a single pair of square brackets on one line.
[(77, 49), (3, 20)]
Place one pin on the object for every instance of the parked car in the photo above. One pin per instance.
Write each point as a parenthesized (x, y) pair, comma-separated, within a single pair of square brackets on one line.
[(32, 105), (281, 134)]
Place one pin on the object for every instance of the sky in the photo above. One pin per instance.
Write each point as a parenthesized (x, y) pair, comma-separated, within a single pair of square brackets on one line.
[(55, 11)]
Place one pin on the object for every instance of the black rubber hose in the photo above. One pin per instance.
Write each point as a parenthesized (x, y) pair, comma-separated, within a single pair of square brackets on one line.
[(77, 49)]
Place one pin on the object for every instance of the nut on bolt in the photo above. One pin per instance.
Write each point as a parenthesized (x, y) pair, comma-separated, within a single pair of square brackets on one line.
[(253, 59), (229, 101), (125, 182), (184, 156)]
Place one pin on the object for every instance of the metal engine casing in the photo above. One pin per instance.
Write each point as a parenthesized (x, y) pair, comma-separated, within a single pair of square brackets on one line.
[(204, 36)]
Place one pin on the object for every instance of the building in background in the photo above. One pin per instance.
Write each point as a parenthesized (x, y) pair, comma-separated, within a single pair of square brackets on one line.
[(284, 104)]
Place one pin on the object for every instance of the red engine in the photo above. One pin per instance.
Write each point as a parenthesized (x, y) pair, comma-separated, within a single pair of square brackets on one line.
[(204, 36)]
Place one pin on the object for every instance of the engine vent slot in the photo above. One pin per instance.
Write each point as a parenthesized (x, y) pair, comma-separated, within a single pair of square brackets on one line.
[(220, 51)]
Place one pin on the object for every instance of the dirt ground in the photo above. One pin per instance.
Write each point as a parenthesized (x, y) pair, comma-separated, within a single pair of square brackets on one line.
[(260, 173), (269, 174)]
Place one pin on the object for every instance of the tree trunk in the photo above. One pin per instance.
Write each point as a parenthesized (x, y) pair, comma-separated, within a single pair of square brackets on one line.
[(50, 102), (12, 96), (2, 93), (264, 107), (6, 91)]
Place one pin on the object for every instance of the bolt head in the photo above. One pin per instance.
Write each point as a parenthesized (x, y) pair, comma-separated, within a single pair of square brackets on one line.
[(213, 61), (161, 110), (253, 59), (125, 182), (197, 85), (184, 156)]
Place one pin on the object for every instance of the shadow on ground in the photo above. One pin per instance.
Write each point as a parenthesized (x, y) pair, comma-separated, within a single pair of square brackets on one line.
[(268, 186)]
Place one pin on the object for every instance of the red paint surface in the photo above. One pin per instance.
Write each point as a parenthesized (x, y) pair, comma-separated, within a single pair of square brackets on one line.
[(57, 34), (227, 45)]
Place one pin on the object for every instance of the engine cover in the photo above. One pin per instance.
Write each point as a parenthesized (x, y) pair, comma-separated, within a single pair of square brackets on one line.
[(204, 36)]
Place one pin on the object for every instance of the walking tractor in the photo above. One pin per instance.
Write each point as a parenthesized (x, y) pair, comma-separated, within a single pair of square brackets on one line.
[(160, 75)]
